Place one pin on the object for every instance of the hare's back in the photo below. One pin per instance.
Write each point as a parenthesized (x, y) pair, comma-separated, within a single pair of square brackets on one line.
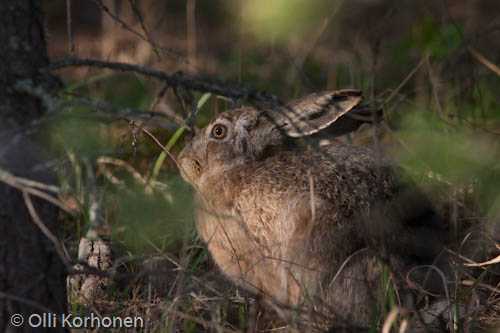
[(341, 172), (344, 180)]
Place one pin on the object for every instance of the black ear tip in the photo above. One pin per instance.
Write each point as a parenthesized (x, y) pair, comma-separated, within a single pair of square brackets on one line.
[(348, 92), (366, 113)]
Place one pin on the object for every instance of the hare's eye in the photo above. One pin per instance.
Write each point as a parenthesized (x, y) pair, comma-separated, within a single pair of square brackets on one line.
[(219, 131)]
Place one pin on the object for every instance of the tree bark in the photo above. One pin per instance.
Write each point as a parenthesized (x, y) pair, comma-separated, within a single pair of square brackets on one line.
[(32, 276)]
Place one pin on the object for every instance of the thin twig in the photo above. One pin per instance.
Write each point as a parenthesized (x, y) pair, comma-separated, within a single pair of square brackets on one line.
[(158, 98), (138, 34), (484, 61), (309, 44), (477, 126), (12, 180), (148, 307), (344, 264), (391, 317), (71, 45), (115, 161), (406, 79), (495, 260), (28, 182), (470, 283), (138, 15), (158, 143), (59, 248), (313, 207)]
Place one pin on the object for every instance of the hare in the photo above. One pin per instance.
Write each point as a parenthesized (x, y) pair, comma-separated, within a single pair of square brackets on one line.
[(301, 224)]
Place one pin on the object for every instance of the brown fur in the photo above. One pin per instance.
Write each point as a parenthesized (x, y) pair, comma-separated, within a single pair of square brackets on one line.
[(256, 215)]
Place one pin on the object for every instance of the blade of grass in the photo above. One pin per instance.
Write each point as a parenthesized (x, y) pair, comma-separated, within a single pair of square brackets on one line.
[(173, 139), (159, 161), (388, 297), (203, 99)]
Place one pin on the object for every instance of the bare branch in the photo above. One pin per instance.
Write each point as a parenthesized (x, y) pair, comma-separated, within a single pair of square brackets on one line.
[(204, 84), (13, 181), (4, 175), (54, 103)]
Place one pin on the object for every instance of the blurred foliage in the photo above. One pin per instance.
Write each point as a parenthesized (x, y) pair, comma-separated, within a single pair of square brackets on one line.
[(428, 37), (157, 221), (453, 154), (274, 21), (84, 137)]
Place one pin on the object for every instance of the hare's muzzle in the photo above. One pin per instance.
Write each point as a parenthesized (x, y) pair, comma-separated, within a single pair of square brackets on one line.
[(190, 168)]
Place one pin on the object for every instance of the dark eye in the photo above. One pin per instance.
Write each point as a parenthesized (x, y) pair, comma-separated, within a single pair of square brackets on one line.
[(219, 131)]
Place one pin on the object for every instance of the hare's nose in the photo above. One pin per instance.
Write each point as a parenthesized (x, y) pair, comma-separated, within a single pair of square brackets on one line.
[(190, 169)]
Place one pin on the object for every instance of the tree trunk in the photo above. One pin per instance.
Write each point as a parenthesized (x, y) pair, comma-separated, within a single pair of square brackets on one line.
[(32, 276)]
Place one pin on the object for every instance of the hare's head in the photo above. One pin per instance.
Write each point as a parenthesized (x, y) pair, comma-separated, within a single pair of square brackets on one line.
[(244, 134)]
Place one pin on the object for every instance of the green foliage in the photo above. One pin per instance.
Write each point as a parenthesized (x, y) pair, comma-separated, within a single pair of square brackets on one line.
[(427, 37), (196, 256), (125, 90), (453, 152), (81, 136), (242, 316), (154, 221), (275, 20), (439, 41)]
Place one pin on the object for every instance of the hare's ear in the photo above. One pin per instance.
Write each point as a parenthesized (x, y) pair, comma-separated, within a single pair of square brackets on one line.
[(312, 113)]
